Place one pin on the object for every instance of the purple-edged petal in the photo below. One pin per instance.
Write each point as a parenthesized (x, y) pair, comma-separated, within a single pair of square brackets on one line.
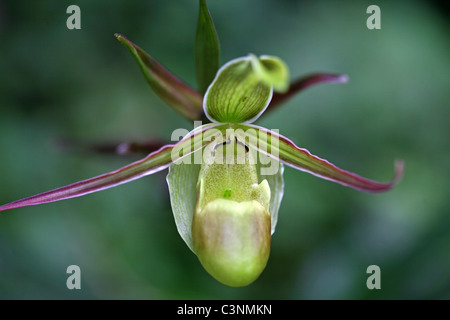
[(178, 95), (154, 162), (303, 83), (284, 150)]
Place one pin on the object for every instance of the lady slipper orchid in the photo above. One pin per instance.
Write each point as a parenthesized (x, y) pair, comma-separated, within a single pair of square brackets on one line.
[(226, 177)]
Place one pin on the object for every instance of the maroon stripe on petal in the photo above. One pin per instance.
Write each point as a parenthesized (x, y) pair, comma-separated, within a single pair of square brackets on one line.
[(303, 83)]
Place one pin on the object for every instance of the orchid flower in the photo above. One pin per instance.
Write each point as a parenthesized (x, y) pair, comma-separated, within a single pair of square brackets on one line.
[(225, 177)]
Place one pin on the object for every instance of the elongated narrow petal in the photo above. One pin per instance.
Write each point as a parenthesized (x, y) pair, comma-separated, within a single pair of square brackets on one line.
[(304, 83), (167, 86), (122, 148), (284, 150), (154, 162), (206, 50)]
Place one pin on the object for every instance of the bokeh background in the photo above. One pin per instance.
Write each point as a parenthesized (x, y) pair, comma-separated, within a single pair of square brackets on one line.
[(83, 86)]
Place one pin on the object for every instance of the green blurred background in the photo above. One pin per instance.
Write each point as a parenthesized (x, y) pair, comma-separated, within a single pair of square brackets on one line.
[(83, 85)]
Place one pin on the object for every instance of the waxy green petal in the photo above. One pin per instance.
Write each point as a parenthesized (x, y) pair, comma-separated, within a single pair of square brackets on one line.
[(154, 162), (284, 150), (237, 94), (167, 86), (206, 49)]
